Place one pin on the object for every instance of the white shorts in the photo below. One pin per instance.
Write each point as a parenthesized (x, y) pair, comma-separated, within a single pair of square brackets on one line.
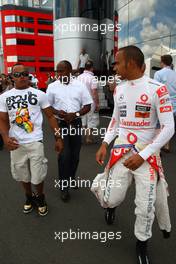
[(28, 163)]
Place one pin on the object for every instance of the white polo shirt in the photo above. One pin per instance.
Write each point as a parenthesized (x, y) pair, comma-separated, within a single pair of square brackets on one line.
[(69, 98)]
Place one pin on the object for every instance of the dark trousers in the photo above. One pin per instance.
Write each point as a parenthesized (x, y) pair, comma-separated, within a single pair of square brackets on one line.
[(68, 160), (1, 142)]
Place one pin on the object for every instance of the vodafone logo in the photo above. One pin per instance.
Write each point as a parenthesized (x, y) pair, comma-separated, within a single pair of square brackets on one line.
[(162, 91), (132, 138), (144, 98)]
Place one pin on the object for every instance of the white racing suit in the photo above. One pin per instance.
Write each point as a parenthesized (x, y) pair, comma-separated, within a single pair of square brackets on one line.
[(139, 104)]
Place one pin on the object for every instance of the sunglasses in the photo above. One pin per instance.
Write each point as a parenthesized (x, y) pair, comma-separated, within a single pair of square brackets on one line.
[(19, 74)]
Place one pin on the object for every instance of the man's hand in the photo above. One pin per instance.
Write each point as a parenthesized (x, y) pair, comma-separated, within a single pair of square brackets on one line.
[(61, 113), (11, 143), (59, 145), (134, 162), (69, 117), (101, 153)]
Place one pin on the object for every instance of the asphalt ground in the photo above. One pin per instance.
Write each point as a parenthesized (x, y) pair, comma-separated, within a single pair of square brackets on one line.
[(26, 239)]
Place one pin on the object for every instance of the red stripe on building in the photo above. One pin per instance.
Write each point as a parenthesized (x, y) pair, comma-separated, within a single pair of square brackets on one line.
[(38, 44)]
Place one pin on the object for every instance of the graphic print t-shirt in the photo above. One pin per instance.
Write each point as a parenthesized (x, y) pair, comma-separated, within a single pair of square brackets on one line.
[(24, 110)]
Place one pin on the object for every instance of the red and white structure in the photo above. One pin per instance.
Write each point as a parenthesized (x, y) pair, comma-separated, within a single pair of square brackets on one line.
[(27, 37)]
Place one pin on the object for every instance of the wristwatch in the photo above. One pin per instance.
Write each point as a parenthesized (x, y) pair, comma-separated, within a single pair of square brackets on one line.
[(77, 114)]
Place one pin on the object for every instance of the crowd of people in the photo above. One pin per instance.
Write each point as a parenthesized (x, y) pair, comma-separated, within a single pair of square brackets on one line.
[(140, 103)]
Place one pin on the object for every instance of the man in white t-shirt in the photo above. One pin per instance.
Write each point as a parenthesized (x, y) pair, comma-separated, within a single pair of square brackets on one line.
[(91, 119), (70, 100), (139, 102), (21, 128), (83, 58)]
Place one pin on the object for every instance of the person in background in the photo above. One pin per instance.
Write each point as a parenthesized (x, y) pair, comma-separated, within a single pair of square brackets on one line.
[(1, 84), (55, 75), (50, 79), (33, 80), (167, 76), (70, 101), (111, 62), (10, 82), (1, 91), (107, 63), (83, 58), (91, 119)]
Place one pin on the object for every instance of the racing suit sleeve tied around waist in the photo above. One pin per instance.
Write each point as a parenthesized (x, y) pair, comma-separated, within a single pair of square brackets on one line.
[(106, 184)]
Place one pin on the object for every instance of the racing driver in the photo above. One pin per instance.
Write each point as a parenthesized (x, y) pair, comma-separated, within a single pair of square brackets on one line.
[(140, 102)]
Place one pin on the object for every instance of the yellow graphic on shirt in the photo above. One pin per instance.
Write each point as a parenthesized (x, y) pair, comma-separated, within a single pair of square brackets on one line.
[(23, 120)]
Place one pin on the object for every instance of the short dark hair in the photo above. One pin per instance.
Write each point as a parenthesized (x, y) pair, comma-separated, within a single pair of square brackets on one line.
[(67, 63), (166, 59), (17, 64), (133, 53), (89, 65)]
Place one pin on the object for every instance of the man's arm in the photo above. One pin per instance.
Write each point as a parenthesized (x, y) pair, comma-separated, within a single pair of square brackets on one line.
[(10, 143), (51, 101), (166, 119), (110, 135), (165, 116), (88, 58), (78, 64), (94, 92), (86, 101), (85, 109), (96, 99), (112, 130), (54, 125), (69, 117), (157, 77), (4, 124), (59, 113)]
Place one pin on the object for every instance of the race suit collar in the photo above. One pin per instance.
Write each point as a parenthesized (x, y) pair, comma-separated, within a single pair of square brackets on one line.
[(136, 81)]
